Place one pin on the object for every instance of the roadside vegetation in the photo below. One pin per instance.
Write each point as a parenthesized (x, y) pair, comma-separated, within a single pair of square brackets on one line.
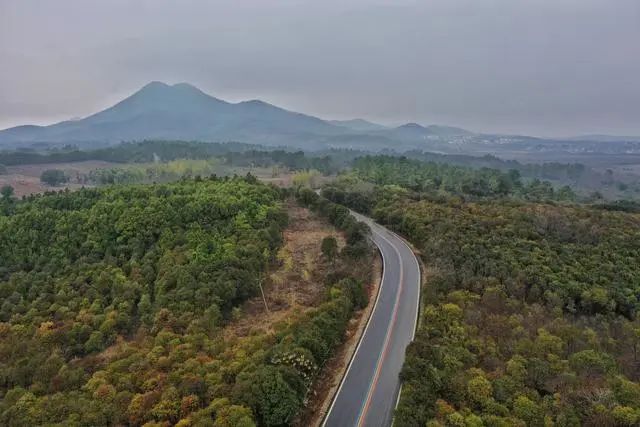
[(531, 301)]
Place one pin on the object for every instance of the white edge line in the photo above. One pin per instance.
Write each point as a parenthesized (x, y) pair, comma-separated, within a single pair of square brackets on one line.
[(415, 259), (364, 332), (415, 328)]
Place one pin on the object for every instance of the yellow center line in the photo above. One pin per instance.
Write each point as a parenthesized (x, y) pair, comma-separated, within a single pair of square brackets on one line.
[(365, 408)]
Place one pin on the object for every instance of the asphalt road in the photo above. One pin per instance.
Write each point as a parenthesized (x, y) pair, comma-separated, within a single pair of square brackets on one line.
[(369, 391)]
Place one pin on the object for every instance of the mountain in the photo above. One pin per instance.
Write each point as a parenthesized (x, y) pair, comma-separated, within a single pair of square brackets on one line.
[(180, 111), (445, 131), (359, 125), (183, 112)]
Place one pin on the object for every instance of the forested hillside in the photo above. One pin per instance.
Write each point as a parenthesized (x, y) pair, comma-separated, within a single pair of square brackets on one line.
[(531, 307), (233, 154), (113, 302)]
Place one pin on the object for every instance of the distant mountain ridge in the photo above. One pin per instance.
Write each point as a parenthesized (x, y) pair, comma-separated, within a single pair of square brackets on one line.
[(414, 130), (358, 125), (604, 138), (182, 111), (179, 111)]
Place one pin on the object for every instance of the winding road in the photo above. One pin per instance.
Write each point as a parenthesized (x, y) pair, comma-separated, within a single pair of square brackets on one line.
[(369, 390)]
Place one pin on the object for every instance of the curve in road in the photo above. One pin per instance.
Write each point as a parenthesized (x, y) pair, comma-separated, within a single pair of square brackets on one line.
[(369, 390)]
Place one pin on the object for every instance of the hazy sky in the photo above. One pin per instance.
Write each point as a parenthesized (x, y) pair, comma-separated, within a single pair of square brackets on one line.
[(544, 67)]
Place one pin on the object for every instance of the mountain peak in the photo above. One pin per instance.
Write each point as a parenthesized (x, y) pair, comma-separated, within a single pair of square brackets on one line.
[(154, 85), (162, 87), (411, 125), (186, 87)]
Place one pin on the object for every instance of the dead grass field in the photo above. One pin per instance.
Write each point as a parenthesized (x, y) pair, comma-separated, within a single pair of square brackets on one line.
[(25, 179)]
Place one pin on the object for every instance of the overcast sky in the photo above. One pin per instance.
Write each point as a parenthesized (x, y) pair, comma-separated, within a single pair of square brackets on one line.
[(543, 67)]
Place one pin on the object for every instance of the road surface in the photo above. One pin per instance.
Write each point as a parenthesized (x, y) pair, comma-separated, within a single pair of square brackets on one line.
[(369, 390)]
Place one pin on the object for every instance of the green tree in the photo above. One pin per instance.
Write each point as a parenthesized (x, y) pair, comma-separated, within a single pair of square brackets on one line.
[(6, 192), (234, 416), (329, 247), (528, 411), (53, 177), (277, 401)]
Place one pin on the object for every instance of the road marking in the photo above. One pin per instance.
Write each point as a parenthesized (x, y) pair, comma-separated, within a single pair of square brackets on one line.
[(385, 347), (382, 356), (416, 322), (415, 259), (364, 332)]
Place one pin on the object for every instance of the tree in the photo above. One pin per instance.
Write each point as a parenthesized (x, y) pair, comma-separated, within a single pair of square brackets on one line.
[(234, 416), (329, 247), (7, 192), (277, 401), (53, 177), (479, 389), (528, 411), (592, 363)]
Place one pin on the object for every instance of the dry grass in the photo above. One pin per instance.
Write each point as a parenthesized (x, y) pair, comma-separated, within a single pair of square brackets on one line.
[(25, 179), (297, 283)]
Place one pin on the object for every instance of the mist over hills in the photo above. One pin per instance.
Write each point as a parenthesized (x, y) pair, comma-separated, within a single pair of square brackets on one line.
[(358, 125), (183, 112)]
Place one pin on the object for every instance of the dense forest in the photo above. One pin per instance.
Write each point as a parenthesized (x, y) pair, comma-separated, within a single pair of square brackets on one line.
[(230, 153), (161, 172), (114, 299), (443, 178), (580, 177), (126, 152), (531, 304)]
